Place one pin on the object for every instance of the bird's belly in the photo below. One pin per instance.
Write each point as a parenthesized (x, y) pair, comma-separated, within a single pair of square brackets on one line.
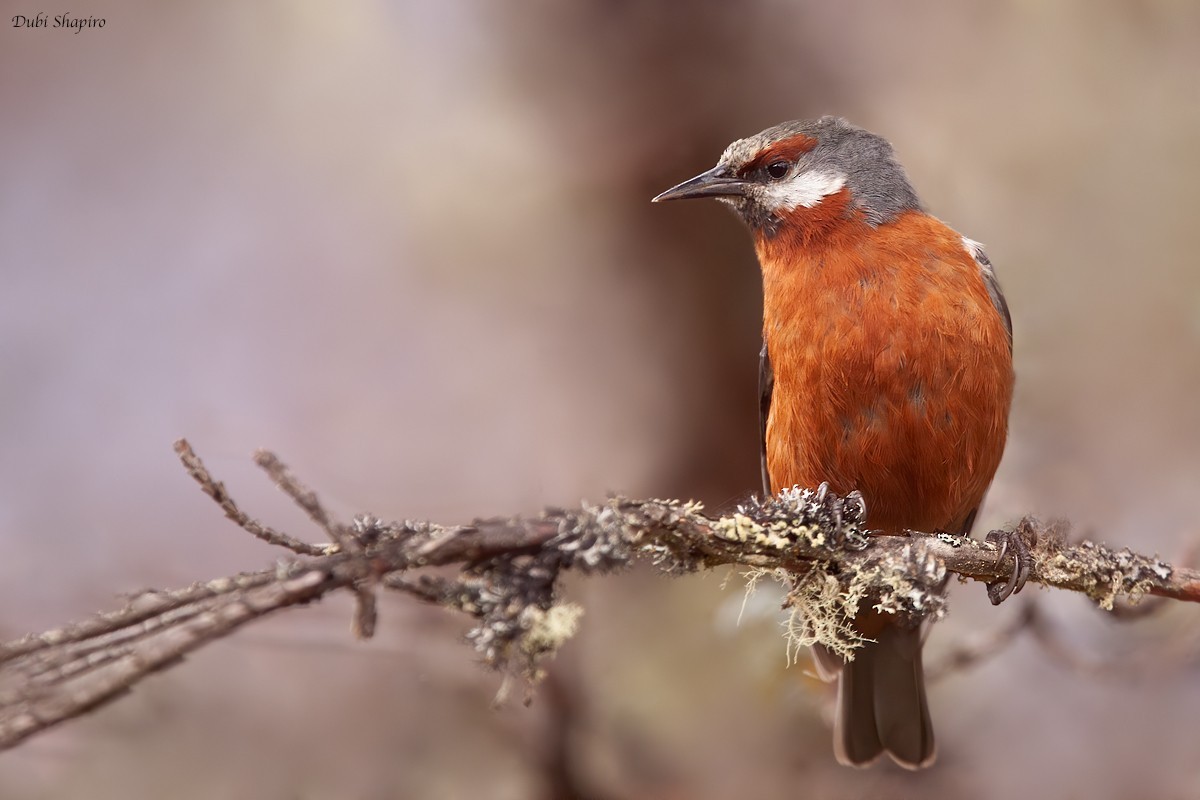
[(916, 423)]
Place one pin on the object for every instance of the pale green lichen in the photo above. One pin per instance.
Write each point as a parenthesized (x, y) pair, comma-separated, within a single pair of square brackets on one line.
[(773, 535), (547, 630), (736, 528), (821, 613)]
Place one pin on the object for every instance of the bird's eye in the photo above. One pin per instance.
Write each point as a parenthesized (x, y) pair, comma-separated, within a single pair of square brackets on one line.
[(776, 170)]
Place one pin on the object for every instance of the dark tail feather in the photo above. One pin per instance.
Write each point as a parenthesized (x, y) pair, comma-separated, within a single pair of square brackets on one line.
[(855, 735), (882, 705)]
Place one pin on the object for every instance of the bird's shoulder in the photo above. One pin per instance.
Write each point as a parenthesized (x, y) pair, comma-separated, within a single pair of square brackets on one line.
[(933, 246)]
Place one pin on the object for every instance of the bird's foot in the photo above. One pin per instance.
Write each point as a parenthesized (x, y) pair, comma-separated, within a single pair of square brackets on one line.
[(1018, 541)]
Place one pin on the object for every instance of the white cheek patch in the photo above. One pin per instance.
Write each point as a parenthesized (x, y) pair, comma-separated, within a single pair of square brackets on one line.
[(806, 189)]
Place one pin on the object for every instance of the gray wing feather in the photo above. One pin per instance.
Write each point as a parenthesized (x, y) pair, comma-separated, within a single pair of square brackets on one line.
[(990, 281), (766, 387), (993, 289)]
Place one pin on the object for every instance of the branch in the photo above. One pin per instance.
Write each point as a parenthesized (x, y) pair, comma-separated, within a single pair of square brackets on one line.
[(507, 579)]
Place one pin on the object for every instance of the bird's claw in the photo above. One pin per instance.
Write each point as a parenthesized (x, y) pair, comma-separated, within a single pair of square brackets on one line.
[(1016, 541)]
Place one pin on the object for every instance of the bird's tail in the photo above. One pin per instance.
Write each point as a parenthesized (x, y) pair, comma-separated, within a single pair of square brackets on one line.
[(881, 698)]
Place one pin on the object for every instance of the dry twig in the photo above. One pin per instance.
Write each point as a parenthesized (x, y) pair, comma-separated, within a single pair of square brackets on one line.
[(508, 577)]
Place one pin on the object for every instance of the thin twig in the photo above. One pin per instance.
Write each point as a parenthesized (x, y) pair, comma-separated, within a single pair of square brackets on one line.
[(216, 490), (304, 497)]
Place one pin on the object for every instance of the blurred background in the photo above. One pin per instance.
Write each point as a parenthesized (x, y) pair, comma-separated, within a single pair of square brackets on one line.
[(408, 246)]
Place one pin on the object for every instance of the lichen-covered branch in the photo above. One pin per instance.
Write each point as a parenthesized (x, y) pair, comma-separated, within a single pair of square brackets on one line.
[(507, 579)]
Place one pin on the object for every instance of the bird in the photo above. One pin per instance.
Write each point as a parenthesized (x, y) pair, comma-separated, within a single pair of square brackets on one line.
[(886, 368)]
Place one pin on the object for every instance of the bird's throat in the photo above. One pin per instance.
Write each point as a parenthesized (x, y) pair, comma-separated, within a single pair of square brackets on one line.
[(803, 227), (812, 251)]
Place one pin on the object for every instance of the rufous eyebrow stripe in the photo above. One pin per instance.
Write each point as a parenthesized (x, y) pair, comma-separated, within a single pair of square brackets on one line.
[(789, 149)]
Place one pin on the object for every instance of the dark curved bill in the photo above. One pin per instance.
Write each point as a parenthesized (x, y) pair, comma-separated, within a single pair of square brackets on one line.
[(714, 183)]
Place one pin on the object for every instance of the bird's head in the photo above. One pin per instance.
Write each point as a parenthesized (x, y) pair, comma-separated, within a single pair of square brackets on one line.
[(793, 172)]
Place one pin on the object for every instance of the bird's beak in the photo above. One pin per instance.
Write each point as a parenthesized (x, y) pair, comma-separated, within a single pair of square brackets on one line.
[(715, 183)]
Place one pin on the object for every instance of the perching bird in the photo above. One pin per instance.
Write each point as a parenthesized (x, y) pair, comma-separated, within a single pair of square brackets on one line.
[(886, 367)]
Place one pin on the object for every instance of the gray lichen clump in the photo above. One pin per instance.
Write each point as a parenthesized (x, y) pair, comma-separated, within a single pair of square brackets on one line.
[(515, 596), (814, 518), (825, 598), (1104, 574)]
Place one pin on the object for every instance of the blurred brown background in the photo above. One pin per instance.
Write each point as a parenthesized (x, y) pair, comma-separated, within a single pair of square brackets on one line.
[(409, 246)]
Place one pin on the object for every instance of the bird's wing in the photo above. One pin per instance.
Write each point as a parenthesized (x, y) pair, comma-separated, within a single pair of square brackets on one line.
[(993, 285), (766, 387), (993, 289)]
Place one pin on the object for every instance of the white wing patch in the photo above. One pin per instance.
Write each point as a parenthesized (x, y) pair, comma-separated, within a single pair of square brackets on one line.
[(975, 249), (806, 189)]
